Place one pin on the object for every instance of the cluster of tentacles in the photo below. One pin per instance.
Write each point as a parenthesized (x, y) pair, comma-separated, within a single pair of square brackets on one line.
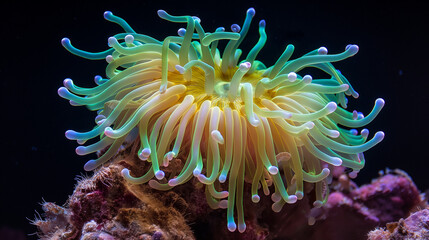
[(231, 119)]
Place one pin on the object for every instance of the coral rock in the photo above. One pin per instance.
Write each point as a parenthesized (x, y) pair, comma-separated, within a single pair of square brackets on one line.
[(415, 226), (107, 207)]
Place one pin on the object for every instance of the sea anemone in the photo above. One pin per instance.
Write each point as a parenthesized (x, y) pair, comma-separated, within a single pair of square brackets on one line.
[(230, 119)]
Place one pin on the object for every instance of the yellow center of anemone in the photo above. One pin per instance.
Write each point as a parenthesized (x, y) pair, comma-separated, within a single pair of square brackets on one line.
[(222, 81)]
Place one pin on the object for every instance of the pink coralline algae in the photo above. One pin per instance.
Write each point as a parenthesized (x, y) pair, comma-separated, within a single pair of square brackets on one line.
[(415, 226), (389, 197)]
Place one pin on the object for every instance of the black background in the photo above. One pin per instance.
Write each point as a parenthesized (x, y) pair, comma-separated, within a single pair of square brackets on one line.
[(38, 162)]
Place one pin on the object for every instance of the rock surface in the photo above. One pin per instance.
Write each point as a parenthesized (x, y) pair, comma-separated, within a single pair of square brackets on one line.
[(107, 207)]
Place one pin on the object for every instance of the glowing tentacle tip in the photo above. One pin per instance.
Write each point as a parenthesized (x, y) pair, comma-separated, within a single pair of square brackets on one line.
[(181, 32), (306, 79), (169, 156), (172, 182), (344, 87), (180, 69), (276, 197), (352, 48), (232, 226), (98, 79), (293, 198), (108, 131), (163, 88), (253, 121), (217, 136), (255, 198), (109, 58), (379, 136), (90, 165), (331, 107), (72, 135), (292, 76), (111, 41), (322, 51), (355, 115), (364, 133), (222, 178), (107, 14), (145, 153), (159, 174), (235, 28), (63, 92), (336, 161), (162, 13), (100, 119), (334, 133), (309, 125), (326, 172), (245, 66), (276, 207), (65, 41), (73, 103), (197, 19), (129, 39), (125, 172), (273, 170), (68, 83), (81, 150), (379, 102), (241, 227), (299, 195), (251, 11)]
